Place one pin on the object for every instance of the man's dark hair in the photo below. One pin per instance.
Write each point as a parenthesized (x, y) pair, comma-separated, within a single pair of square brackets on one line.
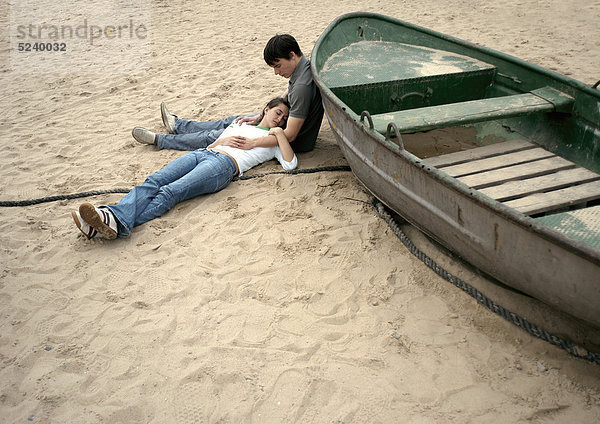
[(281, 46)]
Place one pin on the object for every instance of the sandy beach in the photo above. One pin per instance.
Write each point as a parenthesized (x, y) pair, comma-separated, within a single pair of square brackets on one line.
[(279, 299)]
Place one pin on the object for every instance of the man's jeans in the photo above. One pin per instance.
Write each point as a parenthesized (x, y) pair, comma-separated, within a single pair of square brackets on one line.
[(192, 135), (199, 172)]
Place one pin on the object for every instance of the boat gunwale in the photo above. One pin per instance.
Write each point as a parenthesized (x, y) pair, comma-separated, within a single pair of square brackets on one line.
[(528, 223)]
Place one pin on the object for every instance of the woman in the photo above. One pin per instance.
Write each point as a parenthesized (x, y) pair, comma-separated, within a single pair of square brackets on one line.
[(199, 172)]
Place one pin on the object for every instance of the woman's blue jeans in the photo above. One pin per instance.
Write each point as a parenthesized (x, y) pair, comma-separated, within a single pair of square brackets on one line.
[(192, 135), (195, 173)]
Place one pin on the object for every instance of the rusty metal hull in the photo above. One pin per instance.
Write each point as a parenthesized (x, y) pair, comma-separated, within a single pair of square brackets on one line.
[(517, 252)]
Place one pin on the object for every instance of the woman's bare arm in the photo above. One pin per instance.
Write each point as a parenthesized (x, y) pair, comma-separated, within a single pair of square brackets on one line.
[(284, 145)]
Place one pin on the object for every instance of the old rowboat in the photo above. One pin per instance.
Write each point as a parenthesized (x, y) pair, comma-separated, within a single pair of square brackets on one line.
[(495, 158)]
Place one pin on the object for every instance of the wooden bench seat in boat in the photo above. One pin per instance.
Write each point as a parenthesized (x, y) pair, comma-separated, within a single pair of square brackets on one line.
[(522, 175), (427, 118)]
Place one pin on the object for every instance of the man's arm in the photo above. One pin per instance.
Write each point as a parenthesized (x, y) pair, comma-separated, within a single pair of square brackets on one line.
[(293, 127), (291, 132)]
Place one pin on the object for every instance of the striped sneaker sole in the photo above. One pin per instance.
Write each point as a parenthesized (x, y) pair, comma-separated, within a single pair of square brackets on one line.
[(100, 220), (90, 233)]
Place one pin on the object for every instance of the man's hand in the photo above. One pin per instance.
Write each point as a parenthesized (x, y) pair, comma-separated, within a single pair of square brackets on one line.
[(234, 141), (250, 120)]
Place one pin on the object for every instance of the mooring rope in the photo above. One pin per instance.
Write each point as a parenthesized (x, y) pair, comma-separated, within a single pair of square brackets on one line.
[(517, 320), (16, 203), (299, 171)]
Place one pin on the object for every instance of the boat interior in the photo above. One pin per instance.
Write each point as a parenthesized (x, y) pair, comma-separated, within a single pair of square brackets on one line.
[(517, 153)]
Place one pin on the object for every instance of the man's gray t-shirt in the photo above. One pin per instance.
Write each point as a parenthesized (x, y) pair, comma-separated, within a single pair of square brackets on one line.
[(305, 103)]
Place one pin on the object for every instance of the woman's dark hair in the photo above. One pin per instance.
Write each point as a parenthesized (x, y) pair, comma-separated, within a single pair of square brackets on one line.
[(281, 46), (274, 103)]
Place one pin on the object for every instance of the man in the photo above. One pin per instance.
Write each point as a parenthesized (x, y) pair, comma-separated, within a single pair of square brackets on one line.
[(283, 54)]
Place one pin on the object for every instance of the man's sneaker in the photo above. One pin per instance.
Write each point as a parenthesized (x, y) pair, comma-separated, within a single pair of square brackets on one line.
[(101, 219), (83, 226), (142, 135), (168, 118)]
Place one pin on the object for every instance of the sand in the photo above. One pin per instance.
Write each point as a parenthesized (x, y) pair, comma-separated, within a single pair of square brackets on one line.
[(278, 299)]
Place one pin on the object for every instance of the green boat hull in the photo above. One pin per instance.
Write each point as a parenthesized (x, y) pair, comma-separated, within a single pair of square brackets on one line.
[(380, 77)]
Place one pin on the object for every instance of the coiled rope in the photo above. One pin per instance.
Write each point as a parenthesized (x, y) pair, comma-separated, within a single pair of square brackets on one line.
[(517, 320)]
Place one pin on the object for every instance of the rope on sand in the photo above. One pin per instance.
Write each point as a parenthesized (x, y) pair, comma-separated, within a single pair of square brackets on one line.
[(517, 320), (16, 203), (7, 204), (299, 171)]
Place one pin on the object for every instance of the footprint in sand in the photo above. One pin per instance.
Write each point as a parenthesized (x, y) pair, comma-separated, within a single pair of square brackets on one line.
[(57, 326), (37, 295), (152, 288), (205, 397), (338, 256), (245, 330), (333, 298), (284, 401), (117, 281)]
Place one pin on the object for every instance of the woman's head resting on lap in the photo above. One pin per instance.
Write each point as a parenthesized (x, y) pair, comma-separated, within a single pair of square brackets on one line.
[(275, 113)]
